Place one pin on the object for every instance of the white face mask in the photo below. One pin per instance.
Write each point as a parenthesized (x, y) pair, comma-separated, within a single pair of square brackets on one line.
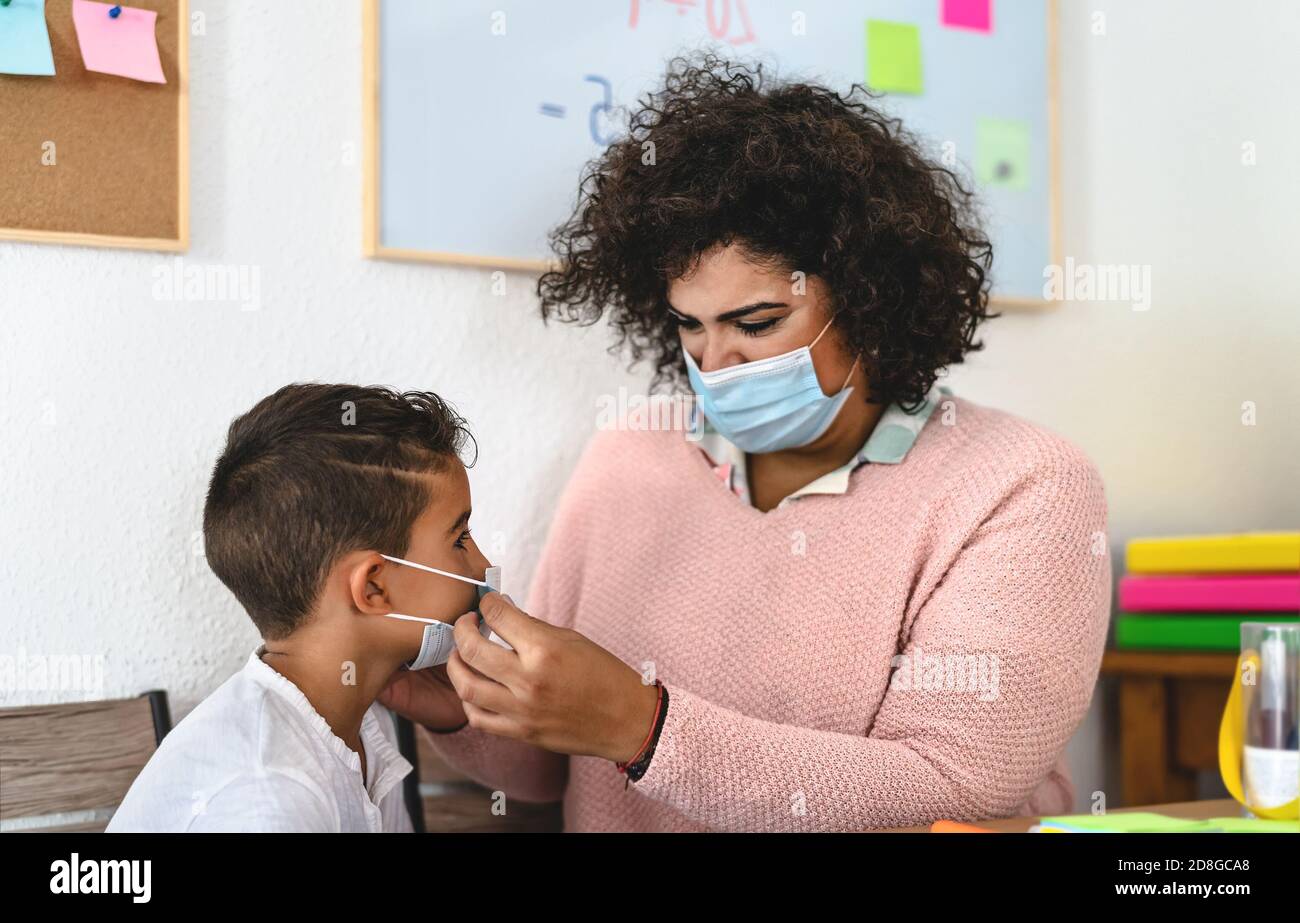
[(439, 637)]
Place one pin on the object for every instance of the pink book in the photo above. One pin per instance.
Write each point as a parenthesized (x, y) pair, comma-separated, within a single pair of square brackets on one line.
[(1246, 592)]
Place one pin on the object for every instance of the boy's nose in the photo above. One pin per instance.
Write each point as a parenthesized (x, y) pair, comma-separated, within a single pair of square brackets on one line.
[(479, 562)]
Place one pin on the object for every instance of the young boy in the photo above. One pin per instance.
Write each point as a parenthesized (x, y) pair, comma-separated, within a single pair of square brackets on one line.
[(322, 498)]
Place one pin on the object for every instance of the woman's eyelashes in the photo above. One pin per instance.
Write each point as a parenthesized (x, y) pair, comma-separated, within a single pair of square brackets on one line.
[(464, 537), (754, 328), (748, 328), (685, 323)]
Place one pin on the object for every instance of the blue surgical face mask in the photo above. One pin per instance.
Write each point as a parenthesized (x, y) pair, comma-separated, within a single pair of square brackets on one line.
[(769, 404), (439, 638)]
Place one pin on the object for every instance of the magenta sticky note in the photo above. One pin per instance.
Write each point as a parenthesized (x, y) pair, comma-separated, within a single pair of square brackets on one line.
[(124, 45), (968, 14)]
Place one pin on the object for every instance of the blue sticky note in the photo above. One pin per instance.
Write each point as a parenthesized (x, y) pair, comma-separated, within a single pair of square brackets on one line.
[(24, 40)]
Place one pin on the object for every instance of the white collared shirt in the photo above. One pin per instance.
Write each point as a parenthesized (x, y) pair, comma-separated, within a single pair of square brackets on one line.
[(255, 756)]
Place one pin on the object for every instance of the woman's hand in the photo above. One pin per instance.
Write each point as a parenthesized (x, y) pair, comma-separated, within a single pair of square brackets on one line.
[(426, 697), (556, 689)]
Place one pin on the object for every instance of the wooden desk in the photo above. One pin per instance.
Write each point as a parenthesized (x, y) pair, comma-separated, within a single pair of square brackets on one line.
[(1170, 705), (1194, 810)]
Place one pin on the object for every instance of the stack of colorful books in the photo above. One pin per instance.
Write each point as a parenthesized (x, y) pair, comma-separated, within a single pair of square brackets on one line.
[(1193, 592)]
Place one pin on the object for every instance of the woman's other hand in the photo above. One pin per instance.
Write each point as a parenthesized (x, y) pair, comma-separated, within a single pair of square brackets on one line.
[(426, 697)]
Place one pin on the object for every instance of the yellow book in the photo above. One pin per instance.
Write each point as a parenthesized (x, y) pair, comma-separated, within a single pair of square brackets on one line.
[(1245, 551)]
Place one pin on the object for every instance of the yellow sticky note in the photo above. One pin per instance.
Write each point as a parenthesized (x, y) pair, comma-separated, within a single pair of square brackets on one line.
[(894, 56)]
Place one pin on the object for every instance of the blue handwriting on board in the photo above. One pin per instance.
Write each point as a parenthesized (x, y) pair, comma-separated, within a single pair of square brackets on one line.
[(600, 109), (599, 112), (719, 23)]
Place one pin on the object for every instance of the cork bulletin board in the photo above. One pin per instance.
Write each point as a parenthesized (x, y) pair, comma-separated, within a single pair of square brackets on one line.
[(120, 147)]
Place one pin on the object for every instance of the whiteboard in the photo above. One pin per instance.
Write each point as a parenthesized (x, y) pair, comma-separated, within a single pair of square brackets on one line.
[(480, 119)]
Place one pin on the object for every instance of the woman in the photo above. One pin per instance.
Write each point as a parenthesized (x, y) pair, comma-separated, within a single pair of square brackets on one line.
[(849, 600)]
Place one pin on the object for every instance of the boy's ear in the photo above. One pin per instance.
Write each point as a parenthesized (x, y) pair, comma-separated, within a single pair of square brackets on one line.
[(368, 585)]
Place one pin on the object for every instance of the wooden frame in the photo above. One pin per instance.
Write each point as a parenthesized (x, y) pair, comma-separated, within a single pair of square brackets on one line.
[(182, 241), (1054, 222), (370, 129), (373, 248)]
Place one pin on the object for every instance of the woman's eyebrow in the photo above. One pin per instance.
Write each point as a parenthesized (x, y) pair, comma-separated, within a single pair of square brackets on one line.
[(749, 309), (459, 523), (736, 312)]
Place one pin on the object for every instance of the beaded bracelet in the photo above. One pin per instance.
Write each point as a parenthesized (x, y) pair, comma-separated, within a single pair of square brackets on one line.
[(636, 767)]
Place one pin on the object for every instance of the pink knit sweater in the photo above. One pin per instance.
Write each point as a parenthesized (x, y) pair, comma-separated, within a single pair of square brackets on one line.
[(981, 557)]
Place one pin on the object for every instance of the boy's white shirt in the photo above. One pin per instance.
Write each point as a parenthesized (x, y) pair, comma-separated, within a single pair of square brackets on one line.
[(256, 756)]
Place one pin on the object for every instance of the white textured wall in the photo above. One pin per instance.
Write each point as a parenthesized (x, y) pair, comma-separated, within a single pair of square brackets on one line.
[(113, 404)]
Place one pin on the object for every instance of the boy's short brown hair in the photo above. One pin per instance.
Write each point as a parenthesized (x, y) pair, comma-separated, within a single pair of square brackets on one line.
[(312, 472)]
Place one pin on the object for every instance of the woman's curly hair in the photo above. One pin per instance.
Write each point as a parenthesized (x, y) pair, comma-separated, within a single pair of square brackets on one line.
[(800, 178)]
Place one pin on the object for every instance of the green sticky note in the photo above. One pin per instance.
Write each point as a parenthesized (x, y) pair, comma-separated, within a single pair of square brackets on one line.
[(1129, 822), (893, 56), (1150, 822), (1002, 153), (1255, 825)]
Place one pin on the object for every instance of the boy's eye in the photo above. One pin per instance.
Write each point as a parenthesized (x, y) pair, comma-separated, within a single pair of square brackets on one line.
[(464, 537)]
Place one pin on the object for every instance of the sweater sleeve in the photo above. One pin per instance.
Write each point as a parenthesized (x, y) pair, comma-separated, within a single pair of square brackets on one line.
[(522, 770), (1020, 615)]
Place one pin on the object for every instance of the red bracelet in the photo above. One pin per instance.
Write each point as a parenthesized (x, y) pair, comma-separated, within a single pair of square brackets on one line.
[(659, 703)]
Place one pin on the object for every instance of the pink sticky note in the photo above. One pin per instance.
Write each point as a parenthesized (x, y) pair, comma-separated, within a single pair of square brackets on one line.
[(124, 46), (968, 14)]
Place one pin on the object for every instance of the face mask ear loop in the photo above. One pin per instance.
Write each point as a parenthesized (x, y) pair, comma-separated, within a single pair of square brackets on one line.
[(412, 618), (433, 570), (853, 368), (823, 333)]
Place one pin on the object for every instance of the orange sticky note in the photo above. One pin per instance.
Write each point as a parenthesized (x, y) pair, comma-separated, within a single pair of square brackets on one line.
[(952, 826), (123, 45)]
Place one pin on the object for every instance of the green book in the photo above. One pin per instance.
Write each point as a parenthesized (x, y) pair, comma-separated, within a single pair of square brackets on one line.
[(1209, 631)]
